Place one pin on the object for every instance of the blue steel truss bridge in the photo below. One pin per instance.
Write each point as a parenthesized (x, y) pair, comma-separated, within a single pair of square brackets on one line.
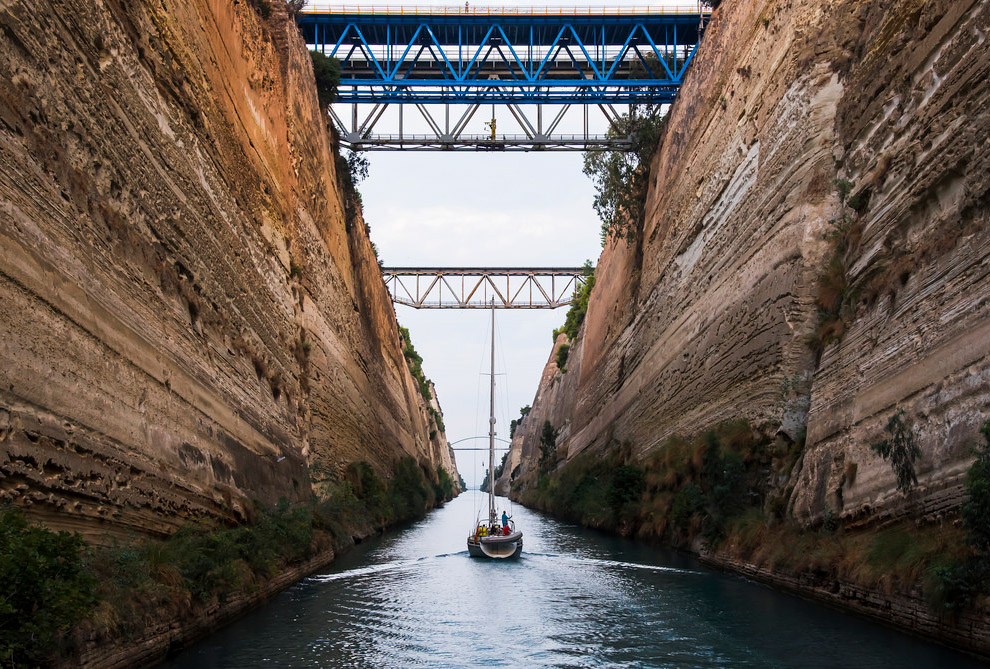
[(483, 288), (442, 65)]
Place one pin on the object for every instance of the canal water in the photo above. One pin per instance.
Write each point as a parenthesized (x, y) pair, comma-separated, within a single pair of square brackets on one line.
[(577, 598)]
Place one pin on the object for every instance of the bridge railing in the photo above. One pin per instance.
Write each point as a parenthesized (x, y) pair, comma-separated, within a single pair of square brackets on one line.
[(493, 10)]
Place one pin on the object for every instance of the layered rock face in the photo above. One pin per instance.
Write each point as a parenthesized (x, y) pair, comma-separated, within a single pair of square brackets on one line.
[(189, 318), (709, 313)]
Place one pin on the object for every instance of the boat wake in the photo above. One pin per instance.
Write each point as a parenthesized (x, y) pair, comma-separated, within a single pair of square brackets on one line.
[(401, 565), (615, 563), (376, 568)]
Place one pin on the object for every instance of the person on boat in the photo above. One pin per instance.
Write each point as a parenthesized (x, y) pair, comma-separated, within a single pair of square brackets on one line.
[(505, 520)]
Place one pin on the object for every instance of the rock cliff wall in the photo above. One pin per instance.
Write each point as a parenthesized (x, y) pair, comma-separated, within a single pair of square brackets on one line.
[(189, 318), (708, 315)]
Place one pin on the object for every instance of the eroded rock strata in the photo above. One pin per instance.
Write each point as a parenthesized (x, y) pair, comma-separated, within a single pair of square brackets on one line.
[(190, 319), (713, 312)]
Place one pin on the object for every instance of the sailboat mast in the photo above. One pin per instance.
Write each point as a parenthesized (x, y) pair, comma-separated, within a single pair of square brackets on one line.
[(491, 430)]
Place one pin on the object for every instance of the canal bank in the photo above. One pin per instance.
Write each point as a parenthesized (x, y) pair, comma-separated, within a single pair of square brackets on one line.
[(577, 597), (170, 634)]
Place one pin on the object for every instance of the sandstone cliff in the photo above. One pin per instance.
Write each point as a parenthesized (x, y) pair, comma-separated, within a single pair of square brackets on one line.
[(708, 315), (189, 316)]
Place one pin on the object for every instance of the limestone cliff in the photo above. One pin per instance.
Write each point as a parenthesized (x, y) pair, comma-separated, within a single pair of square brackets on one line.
[(190, 317), (708, 315)]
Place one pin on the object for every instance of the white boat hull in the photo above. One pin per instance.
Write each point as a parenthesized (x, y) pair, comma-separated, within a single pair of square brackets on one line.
[(497, 546)]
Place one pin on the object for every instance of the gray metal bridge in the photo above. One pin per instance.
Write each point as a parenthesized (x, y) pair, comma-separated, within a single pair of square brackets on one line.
[(483, 288)]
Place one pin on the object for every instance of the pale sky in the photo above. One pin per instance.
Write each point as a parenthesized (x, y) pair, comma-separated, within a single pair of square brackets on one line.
[(476, 209)]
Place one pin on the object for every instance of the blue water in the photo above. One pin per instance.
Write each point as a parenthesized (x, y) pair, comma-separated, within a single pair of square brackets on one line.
[(577, 598)]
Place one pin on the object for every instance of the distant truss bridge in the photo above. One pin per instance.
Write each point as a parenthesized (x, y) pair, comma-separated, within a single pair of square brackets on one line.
[(483, 288)]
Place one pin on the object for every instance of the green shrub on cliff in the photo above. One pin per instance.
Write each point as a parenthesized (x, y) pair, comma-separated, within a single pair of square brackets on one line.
[(622, 178), (548, 448), (44, 588), (625, 488), (900, 449), (415, 362), (962, 581), (444, 487), (409, 491), (579, 306), (326, 71), (687, 488), (976, 509), (562, 354)]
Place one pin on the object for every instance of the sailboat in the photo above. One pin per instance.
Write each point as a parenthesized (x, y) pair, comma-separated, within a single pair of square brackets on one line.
[(492, 538)]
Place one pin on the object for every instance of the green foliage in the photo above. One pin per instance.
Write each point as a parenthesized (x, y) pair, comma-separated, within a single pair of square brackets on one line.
[(44, 588), (548, 448), (517, 422), (444, 487), (263, 7), (409, 492), (689, 487), (622, 178), (294, 6), (415, 362), (326, 71), (562, 357), (625, 488), (901, 449), (962, 581), (371, 491), (218, 562), (49, 582), (357, 169), (688, 501), (976, 508), (579, 306), (437, 419)]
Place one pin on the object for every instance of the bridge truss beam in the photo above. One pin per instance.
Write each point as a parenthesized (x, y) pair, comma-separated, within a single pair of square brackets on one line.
[(504, 56), (534, 130), (559, 56), (475, 288)]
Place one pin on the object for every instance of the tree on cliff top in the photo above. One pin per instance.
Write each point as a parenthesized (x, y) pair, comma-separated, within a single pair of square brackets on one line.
[(622, 178), (326, 71)]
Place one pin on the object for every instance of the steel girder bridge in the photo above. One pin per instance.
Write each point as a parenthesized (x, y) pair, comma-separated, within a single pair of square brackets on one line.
[(483, 288), (421, 57)]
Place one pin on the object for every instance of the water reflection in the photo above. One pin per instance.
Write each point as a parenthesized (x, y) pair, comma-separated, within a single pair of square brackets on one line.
[(576, 598)]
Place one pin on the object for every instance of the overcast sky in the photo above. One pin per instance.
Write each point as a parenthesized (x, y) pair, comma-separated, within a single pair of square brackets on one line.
[(476, 209)]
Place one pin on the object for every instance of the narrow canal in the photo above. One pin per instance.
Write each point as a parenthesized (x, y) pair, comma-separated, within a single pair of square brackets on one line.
[(577, 598)]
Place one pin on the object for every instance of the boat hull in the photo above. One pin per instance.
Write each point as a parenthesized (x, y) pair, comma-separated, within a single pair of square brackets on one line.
[(496, 547)]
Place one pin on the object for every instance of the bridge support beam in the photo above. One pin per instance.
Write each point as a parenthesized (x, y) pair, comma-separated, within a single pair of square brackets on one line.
[(363, 133)]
